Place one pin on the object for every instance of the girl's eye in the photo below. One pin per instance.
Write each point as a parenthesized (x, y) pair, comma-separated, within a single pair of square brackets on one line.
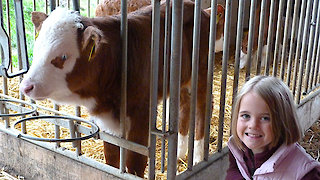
[(64, 57), (245, 116), (266, 118)]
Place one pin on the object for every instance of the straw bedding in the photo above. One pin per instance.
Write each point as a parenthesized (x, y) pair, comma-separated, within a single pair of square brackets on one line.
[(93, 148)]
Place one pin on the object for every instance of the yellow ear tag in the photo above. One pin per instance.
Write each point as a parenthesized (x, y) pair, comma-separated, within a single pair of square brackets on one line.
[(218, 18), (90, 55), (36, 36)]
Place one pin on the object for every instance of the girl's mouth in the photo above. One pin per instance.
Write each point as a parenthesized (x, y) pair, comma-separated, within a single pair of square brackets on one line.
[(253, 135)]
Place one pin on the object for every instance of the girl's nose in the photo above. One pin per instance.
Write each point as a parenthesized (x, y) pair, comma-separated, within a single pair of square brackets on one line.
[(253, 123)]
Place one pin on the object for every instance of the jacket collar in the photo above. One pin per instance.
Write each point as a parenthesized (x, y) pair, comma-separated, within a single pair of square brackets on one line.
[(268, 166), (275, 159)]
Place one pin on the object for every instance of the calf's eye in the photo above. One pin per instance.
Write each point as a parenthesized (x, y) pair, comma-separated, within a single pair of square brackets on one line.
[(64, 57)]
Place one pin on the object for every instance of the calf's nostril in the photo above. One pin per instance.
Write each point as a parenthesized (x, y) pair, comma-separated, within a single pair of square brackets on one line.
[(28, 89)]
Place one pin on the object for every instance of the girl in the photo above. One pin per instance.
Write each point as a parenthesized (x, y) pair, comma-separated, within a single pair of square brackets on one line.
[(265, 132)]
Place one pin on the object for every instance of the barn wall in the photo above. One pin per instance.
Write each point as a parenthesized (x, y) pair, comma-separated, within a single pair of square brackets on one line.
[(34, 162), (309, 111)]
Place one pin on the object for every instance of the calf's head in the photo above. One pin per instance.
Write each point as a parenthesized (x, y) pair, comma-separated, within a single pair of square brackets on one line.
[(220, 27), (57, 50)]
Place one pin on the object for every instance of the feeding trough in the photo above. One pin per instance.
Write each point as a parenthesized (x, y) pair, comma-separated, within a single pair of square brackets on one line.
[(6, 104), (74, 124)]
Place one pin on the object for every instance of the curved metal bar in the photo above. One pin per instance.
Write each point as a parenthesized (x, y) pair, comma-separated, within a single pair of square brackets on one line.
[(95, 129), (32, 110)]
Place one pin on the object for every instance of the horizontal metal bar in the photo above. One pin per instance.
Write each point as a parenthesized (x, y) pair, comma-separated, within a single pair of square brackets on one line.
[(202, 165), (160, 133), (309, 97), (103, 136), (70, 122), (9, 131), (132, 146), (7, 103), (72, 155), (42, 107)]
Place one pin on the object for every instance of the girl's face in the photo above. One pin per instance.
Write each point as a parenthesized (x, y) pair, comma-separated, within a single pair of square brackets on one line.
[(254, 123)]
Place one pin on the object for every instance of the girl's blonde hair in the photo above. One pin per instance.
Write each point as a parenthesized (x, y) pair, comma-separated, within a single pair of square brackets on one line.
[(277, 95)]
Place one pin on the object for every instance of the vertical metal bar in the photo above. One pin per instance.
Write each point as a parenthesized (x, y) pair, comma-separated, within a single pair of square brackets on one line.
[(166, 56), (225, 59), (46, 4), (211, 58), (285, 38), (88, 8), (68, 4), (21, 44), (298, 48), (194, 80), (292, 41), (57, 134), (175, 72), (310, 45), (123, 108), (278, 39), (76, 5), (315, 78), (34, 5), (56, 127), (5, 80), (237, 52), (72, 132), (52, 5), (261, 35), (253, 9), (315, 51), (8, 30), (270, 37), (3, 110), (304, 50), (78, 134), (155, 43)]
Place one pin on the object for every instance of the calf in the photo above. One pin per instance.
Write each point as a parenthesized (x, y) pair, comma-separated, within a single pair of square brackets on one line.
[(220, 27), (113, 7), (77, 60), (244, 50)]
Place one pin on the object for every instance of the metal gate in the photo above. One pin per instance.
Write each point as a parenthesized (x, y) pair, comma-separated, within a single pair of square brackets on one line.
[(292, 54)]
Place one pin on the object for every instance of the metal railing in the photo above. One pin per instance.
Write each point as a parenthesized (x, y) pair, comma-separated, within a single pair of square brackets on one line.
[(299, 68)]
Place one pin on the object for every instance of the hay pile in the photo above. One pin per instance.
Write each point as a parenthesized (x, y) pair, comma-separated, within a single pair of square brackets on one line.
[(94, 148)]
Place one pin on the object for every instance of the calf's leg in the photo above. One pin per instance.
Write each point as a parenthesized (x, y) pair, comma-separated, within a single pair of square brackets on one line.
[(184, 117), (136, 163), (111, 154)]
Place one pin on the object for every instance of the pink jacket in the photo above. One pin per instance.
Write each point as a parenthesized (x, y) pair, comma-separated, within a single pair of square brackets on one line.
[(287, 163)]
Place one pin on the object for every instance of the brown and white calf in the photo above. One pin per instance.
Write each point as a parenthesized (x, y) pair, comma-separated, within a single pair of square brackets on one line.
[(113, 7), (244, 50), (220, 27), (245, 39), (77, 60)]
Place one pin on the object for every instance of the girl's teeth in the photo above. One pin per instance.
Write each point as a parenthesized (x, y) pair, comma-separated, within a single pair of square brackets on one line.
[(253, 135)]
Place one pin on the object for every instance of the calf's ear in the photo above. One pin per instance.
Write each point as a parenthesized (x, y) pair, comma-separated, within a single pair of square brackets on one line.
[(37, 19), (220, 9), (92, 40)]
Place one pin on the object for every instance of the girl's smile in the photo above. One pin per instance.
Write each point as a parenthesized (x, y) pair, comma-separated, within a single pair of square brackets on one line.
[(254, 123)]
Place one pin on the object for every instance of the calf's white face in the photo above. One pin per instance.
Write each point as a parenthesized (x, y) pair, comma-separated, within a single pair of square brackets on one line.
[(54, 56)]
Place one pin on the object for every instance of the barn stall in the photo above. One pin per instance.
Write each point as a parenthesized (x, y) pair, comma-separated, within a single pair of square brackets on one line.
[(298, 66)]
